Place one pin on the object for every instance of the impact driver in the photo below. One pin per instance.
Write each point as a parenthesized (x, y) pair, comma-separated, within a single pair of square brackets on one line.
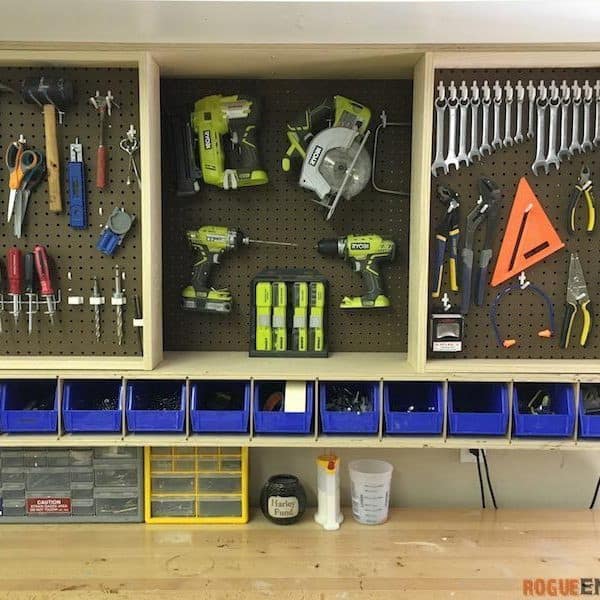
[(211, 242), (364, 252)]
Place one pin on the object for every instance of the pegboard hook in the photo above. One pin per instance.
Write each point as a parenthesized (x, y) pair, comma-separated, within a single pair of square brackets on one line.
[(520, 91), (566, 92), (531, 90), (441, 92), (576, 92), (474, 93), (487, 92)]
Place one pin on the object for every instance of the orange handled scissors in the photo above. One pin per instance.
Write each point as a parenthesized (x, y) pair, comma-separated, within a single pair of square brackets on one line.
[(19, 161)]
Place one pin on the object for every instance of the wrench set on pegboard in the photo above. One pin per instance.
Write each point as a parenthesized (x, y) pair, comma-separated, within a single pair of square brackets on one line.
[(513, 213), (70, 253)]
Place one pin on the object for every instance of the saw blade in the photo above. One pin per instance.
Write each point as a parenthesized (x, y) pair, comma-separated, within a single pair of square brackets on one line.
[(336, 163)]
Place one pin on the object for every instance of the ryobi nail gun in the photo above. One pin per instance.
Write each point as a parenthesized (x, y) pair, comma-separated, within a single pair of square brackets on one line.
[(215, 117)]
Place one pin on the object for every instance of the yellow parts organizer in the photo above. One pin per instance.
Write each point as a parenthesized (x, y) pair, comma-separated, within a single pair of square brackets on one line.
[(196, 485)]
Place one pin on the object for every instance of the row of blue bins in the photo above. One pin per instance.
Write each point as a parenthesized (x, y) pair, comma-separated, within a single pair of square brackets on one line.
[(410, 408)]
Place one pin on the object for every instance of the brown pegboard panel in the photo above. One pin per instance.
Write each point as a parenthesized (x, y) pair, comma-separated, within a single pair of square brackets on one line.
[(522, 315), (72, 250), (281, 210)]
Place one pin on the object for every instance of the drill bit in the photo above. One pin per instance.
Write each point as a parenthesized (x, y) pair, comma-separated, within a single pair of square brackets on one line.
[(270, 243), (118, 303), (96, 305)]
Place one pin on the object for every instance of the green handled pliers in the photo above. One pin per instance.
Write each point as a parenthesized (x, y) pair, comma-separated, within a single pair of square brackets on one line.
[(577, 296), (448, 231), (583, 188)]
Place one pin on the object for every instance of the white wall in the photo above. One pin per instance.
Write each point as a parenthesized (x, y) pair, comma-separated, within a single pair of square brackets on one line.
[(427, 478)]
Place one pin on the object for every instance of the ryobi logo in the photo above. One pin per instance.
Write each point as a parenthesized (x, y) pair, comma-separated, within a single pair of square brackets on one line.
[(360, 246), (314, 157), (214, 238), (207, 139)]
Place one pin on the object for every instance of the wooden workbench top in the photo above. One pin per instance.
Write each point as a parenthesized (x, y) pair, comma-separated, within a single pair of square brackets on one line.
[(417, 554)]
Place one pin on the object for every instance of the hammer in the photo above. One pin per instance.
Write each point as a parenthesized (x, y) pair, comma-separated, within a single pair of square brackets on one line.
[(51, 95)]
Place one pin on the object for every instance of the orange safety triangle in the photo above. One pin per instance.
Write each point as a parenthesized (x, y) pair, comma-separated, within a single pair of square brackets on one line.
[(529, 237)]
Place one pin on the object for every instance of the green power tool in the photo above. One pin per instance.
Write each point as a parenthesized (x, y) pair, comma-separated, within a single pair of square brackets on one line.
[(238, 117), (364, 252), (211, 242)]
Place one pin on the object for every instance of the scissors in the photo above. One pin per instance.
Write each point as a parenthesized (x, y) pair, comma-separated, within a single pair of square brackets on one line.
[(130, 145), (20, 162)]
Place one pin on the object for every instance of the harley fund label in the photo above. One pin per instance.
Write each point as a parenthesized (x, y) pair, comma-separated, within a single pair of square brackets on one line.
[(283, 507)]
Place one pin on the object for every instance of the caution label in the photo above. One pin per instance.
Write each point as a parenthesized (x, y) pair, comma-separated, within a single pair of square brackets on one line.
[(48, 505)]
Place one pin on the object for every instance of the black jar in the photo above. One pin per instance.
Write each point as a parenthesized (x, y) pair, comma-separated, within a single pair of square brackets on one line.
[(283, 500)]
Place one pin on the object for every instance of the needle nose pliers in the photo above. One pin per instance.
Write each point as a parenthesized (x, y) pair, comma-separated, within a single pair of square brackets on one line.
[(583, 188), (447, 231), (577, 296)]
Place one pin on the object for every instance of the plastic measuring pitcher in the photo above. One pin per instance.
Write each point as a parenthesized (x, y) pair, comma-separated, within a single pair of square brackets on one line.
[(370, 482)]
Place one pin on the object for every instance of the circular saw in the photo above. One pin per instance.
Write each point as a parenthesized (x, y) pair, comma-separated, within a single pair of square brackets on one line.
[(337, 165)]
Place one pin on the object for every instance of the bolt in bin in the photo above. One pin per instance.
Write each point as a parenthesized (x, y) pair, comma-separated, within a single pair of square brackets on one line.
[(363, 405), (268, 419), (92, 406), (155, 406), (589, 415), (29, 407), (558, 420), (413, 407), (220, 406), (477, 408)]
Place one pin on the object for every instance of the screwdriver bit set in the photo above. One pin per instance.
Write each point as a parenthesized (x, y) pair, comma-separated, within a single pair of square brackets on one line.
[(288, 316)]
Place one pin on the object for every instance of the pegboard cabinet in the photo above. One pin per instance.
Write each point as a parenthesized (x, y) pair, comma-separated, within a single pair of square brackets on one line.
[(367, 347)]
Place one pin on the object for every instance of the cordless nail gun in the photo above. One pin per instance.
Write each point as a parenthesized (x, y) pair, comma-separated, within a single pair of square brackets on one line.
[(211, 242), (364, 252), (214, 119)]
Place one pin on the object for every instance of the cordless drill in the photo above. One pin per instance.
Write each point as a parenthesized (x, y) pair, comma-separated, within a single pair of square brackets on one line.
[(238, 116), (364, 252), (211, 242)]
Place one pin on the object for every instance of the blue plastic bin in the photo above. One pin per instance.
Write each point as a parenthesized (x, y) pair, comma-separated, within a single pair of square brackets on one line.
[(141, 413), (589, 425), (427, 400), (560, 424), (79, 417), (268, 421), (220, 421), (350, 422), (16, 395), (477, 409)]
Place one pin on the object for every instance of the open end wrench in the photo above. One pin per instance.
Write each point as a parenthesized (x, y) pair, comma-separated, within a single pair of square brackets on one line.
[(475, 103), (463, 104), (438, 161), (531, 98), (565, 101), (596, 140), (485, 128), (451, 158), (497, 141), (554, 103), (576, 101), (588, 91), (520, 91), (540, 157), (508, 102)]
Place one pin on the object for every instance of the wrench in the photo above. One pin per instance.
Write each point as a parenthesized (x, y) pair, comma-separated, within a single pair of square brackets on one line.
[(475, 103), (497, 141), (508, 101), (520, 90), (564, 151), (576, 101), (587, 116), (596, 140), (451, 158), (440, 109), (531, 98), (485, 129), (464, 113), (554, 102), (541, 104)]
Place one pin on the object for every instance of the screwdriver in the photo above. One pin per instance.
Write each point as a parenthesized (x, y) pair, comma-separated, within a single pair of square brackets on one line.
[(1, 299), (15, 281), (43, 273), (29, 266)]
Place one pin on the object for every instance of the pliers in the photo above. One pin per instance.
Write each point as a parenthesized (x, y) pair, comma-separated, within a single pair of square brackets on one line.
[(583, 188), (486, 210), (447, 231), (577, 295)]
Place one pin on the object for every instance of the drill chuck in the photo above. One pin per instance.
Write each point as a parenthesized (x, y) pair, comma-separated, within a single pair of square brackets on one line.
[(331, 246)]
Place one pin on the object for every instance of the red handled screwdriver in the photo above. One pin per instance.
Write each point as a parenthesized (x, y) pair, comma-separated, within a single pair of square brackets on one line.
[(43, 273), (29, 289), (15, 281)]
